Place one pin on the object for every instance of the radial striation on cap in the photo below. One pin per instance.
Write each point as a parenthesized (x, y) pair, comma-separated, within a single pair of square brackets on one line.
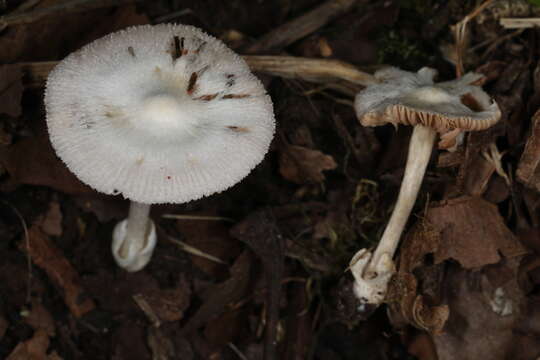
[(408, 98), (159, 114)]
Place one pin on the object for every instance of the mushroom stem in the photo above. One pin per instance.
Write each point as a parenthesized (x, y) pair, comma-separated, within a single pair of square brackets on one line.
[(137, 227), (134, 239), (420, 147)]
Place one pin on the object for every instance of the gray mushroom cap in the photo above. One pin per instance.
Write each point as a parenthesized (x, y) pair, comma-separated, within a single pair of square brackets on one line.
[(408, 98)]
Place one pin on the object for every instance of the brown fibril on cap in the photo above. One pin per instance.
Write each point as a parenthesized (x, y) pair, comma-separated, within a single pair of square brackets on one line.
[(414, 99)]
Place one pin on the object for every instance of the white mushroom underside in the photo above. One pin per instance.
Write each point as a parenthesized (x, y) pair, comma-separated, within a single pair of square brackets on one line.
[(169, 115)]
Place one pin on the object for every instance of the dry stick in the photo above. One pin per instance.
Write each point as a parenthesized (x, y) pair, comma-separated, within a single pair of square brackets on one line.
[(66, 6), (519, 23), (300, 27), (316, 70), (460, 30), (345, 77)]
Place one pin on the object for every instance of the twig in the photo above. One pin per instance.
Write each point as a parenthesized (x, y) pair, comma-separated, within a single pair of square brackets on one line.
[(519, 23), (172, 15), (300, 27), (335, 74), (196, 217), (147, 309), (237, 351), (194, 251), (460, 31), (25, 6), (317, 70), (66, 6)]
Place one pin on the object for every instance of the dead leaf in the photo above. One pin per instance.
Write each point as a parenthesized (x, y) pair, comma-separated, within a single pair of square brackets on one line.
[(11, 90), (483, 315), (471, 232), (302, 165), (33, 349), (60, 271)]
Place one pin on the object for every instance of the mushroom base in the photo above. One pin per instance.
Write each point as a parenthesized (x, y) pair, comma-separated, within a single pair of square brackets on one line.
[(371, 290), (134, 259)]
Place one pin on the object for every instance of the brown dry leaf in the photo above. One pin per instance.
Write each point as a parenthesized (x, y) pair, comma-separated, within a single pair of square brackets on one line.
[(471, 232), (528, 171), (10, 90), (32, 161), (486, 309), (34, 349), (60, 271), (302, 165)]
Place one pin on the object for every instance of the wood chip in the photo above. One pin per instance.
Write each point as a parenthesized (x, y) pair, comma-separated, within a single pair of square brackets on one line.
[(61, 273)]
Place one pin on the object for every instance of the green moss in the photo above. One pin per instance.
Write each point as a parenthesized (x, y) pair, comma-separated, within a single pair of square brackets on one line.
[(397, 50)]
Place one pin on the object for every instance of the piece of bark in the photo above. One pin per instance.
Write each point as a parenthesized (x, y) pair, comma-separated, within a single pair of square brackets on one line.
[(62, 274), (259, 231), (220, 295), (528, 171), (300, 27)]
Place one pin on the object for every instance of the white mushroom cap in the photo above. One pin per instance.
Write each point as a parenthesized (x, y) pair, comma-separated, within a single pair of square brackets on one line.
[(413, 98), (159, 114)]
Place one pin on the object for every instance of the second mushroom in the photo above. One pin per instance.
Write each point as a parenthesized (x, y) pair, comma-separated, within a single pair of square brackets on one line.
[(447, 108)]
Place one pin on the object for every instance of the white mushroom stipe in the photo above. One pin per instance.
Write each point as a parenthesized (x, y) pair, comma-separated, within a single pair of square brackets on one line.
[(372, 272), (158, 114), (134, 239), (408, 98)]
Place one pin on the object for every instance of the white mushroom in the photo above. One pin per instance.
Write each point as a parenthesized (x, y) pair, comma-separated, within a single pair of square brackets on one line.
[(159, 114), (414, 99)]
